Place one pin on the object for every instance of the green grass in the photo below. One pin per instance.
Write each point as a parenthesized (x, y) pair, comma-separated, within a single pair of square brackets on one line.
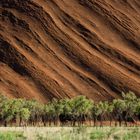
[(70, 133), (11, 135)]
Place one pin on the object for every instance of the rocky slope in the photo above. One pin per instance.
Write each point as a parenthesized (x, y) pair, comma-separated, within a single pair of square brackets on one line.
[(63, 48)]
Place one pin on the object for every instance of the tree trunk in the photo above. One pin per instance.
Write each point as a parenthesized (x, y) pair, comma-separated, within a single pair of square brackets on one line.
[(20, 122), (126, 121), (120, 121), (94, 122), (110, 121), (5, 123), (101, 123)]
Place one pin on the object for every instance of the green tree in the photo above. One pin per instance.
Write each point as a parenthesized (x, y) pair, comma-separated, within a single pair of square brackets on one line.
[(15, 110), (110, 111), (81, 109), (36, 111), (5, 110), (131, 105), (58, 109), (138, 109), (119, 108), (67, 106), (50, 115), (103, 107), (95, 112), (24, 115), (2, 100)]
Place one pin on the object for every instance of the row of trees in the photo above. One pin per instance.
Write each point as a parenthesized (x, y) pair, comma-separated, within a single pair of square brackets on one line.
[(75, 111)]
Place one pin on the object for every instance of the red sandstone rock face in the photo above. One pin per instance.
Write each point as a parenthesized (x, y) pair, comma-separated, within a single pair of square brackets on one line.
[(63, 48)]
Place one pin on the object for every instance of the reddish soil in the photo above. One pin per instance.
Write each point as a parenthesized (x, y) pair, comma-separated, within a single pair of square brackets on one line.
[(63, 48)]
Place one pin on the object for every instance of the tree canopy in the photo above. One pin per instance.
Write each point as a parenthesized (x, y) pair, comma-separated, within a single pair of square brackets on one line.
[(68, 111)]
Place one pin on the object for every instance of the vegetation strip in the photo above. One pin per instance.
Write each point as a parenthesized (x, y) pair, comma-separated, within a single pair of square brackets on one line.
[(77, 111)]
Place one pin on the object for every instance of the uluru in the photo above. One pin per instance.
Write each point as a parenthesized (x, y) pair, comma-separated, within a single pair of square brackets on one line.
[(64, 48)]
